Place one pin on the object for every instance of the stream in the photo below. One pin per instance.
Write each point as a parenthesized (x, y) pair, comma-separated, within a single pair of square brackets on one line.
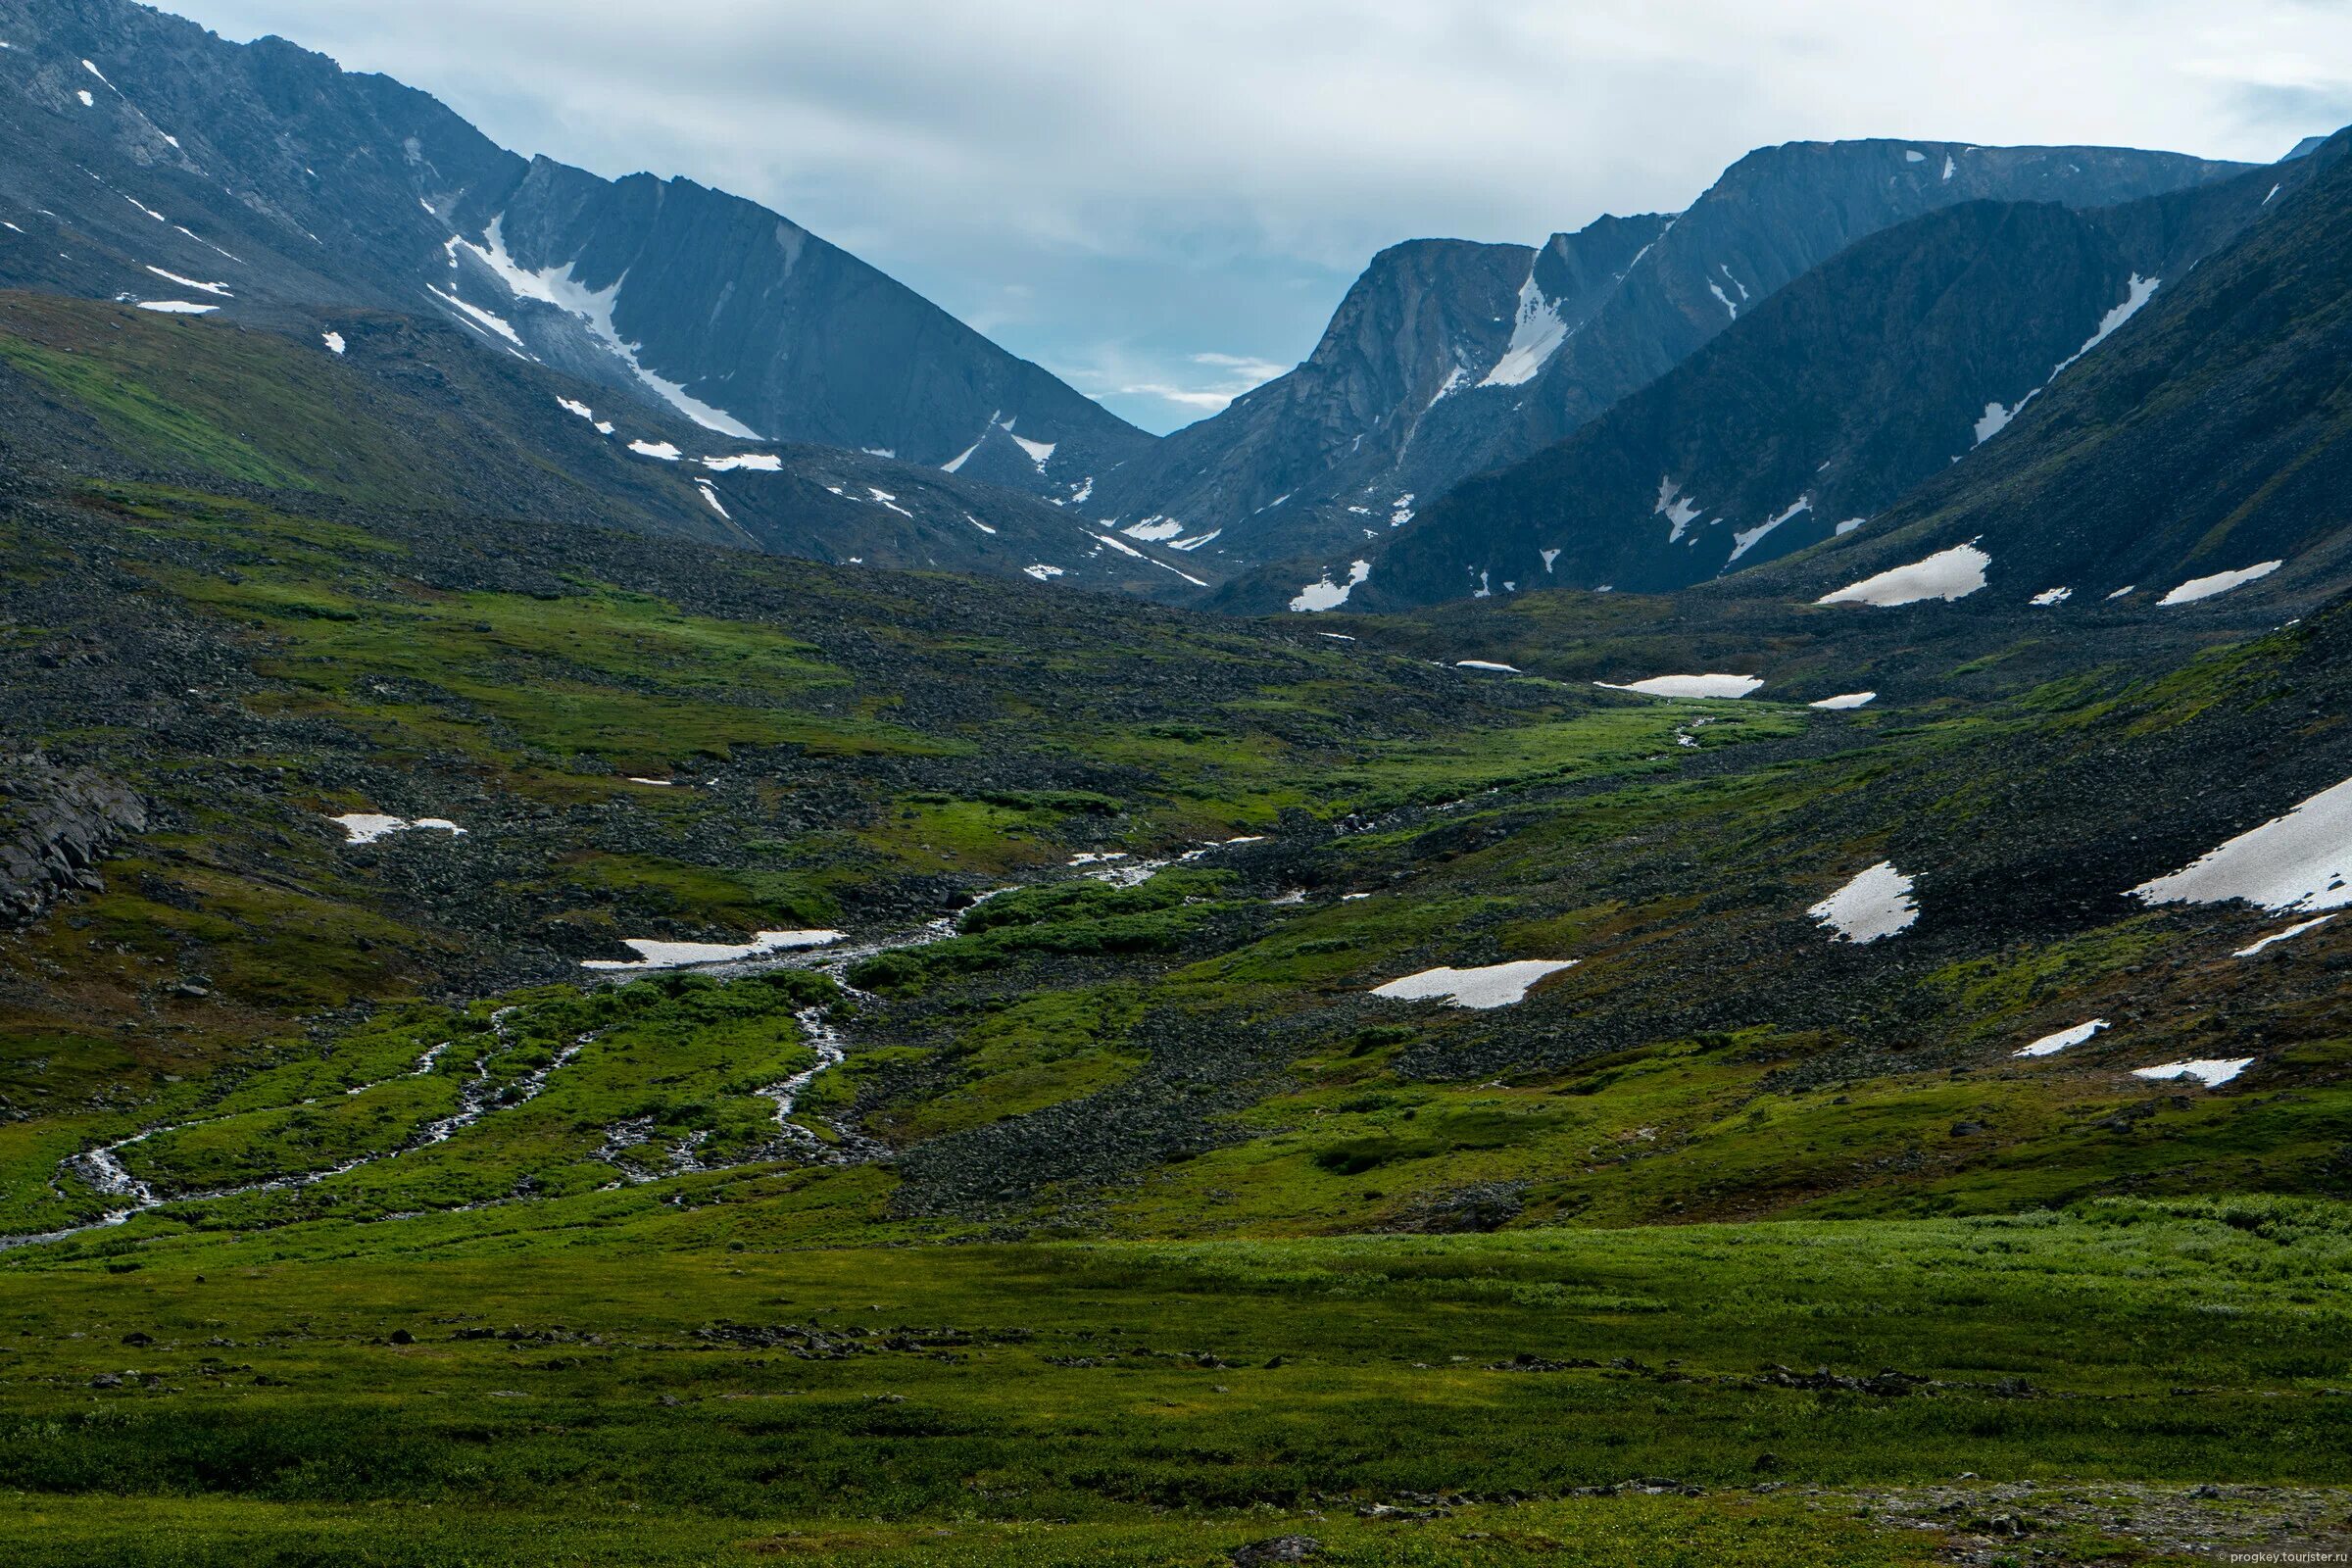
[(101, 1168)]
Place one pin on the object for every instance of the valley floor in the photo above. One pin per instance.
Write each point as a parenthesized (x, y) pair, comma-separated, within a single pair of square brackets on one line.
[(2125, 1382)]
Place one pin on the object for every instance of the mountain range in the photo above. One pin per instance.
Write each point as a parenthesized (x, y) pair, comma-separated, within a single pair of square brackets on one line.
[(1680, 903)]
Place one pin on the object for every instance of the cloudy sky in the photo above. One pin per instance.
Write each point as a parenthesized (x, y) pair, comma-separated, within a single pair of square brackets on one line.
[(1162, 201)]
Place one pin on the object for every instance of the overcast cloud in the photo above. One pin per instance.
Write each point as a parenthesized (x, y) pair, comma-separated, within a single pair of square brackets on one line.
[(1163, 202)]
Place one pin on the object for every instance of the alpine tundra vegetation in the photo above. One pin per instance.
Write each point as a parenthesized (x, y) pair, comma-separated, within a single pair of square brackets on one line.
[(1676, 906)]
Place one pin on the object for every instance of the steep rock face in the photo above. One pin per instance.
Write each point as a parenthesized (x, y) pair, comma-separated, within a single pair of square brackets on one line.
[(249, 179), (1633, 298), (1822, 407), (1428, 324)]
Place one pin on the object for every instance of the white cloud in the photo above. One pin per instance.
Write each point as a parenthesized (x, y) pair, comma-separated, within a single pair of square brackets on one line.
[(1215, 170)]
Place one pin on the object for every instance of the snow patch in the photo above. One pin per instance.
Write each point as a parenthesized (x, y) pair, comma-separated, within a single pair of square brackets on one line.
[(1039, 451), (221, 289), (333, 341), (1677, 512), (1043, 572), (749, 462), (1876, 904), (563, 290), (1498, 985), (1153, 529), (2051, 596), (2212, 1074), (2220, 582), (2137, 293), (1536, 333), (1329, 595), (1723, 299), (365, 827), (1483, 663), (1549, 555), (1689, 685), (1849, 525), (656, 449), (1845, 700), (477, 315), (2051, 1045), (2295, 930), (657, 954), (2302, 861), (1994, 420), (177, 307), (1947, 574), (1743, 541), (710, 494)]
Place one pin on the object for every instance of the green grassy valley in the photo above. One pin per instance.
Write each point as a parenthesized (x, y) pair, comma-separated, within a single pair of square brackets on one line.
[(1078, 1197)]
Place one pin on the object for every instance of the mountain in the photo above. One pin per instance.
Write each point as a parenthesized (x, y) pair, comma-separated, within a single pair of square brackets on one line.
[(1818, 410), (2203, 448), (156, 161), (379, 410), (1428, 321), (1600, 313)]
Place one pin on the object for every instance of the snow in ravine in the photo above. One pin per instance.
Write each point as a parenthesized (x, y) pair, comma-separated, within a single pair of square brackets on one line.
[(657, 954), (1876, 904), (1678, 512), (1845, 700), (563, 289), (365, 827), (2212, 1074), (1687, 685), (2051, 1045), (221, 289), (1747, 539), (2275, 937), (2137, 293), (1499, 984), (1947, 574), (2302, 861), (1329, 595), (1536, 333), (2220, 582)]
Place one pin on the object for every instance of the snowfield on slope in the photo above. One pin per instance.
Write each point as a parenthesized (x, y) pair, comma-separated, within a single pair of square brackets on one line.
[(657, 954), (365, 827), (1329, 595), (2302, 861), (1498, 985), (2051, 1045), (2220, 582), (1876, 904), (1947, 574), (1687, 685)]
